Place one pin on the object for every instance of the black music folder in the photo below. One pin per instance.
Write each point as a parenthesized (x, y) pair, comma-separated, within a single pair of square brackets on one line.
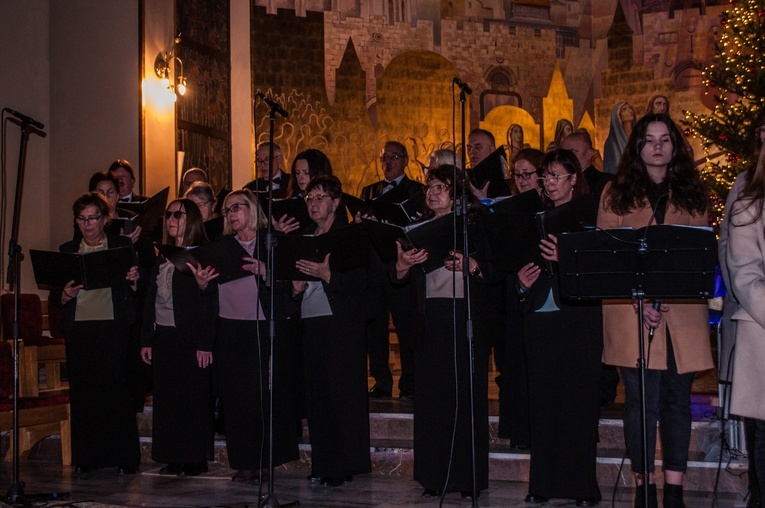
[(149, 213), (178, 256), (393, 207), (294, 207), (94, 270), (492, 170), (436, 236), (225, 255), (577, 215), (348, 249), (512, 231)]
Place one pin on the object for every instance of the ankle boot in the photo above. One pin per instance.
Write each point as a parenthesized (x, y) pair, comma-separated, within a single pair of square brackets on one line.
[(652, 500), (673, 496)]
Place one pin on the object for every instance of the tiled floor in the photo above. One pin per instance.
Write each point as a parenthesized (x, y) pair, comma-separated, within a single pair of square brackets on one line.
[(106, 488)]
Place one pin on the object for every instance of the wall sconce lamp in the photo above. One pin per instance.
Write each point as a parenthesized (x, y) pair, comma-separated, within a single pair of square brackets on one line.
[(163, 70)]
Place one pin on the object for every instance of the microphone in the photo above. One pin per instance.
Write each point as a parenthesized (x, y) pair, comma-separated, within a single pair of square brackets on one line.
[(656, 306), (274, 105), (26, 119), (463, 86)]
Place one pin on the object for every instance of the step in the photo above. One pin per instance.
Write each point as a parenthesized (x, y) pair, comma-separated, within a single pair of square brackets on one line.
[(392, 455)]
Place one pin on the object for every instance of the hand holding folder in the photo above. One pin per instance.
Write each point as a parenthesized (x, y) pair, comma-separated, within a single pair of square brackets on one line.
[(92, 270)]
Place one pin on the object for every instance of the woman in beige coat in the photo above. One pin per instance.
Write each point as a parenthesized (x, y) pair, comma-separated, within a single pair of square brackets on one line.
[(656, 183), (745, 255)]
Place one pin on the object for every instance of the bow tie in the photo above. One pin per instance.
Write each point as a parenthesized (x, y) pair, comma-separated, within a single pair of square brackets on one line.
[(392, 183), (277, 180), (124, 200)]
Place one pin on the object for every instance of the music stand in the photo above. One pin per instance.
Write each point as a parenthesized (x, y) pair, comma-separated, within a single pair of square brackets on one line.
[(660, 262)]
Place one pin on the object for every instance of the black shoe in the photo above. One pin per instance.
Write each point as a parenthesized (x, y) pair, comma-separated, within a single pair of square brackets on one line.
[(406, 396), (127, 469), (313, 478), (469, 493), (652, 500), (587, 502), (332, 481), (376, 393), (519, 447), (431, 493), (173, 468), (245, 475), (193, 468), (534, 499), (673, 496), (83, 469)]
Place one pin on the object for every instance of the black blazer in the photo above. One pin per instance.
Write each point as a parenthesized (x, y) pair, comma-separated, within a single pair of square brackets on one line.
[(261, 184), (346, 291), (596, 180), (122, 295), (374, 190), (194, 311)]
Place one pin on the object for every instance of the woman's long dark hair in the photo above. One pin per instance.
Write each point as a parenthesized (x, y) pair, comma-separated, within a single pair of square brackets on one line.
[(754, 180), (568, 161), (318, 164), (195, 227), (629, 190), (456, 189)]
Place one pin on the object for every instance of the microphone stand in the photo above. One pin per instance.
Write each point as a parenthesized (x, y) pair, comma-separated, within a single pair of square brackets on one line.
[(639, 294), (15, 494), (270, 500), (463, 210)]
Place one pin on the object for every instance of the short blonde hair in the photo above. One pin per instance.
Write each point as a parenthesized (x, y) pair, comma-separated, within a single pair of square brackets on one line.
[(256, 219)]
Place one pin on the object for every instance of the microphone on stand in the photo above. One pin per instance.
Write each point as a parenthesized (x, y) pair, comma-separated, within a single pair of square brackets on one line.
[(26, 119), (656, 306), (462, 85), (273, 104)]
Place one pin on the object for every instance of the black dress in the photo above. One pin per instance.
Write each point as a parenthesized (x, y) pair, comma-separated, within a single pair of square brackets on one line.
[(182, 428), (241, 353), (104, 430), (435, 364), (336, 378), (564, 350)]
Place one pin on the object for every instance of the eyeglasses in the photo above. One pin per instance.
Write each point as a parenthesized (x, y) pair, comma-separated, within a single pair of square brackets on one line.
[(553, 178), (233, 208), (108, 193), (391, 157), (319, 198), (88, 220), (437, 189), (177, 214), (264, 161), (200, 204), (522, 176)]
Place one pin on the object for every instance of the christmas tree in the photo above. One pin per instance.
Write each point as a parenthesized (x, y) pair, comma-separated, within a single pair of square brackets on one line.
[(736, 80)]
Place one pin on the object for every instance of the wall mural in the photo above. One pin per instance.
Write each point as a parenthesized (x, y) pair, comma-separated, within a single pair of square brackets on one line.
[(204, 116)]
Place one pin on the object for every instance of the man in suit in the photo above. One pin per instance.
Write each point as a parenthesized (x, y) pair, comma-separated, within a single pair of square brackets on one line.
[(123, 172), (386, 299), (270, 171), (480, 144), (580, 143)]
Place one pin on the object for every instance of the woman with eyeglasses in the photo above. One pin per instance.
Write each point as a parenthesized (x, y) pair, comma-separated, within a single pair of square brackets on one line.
[(563, 342), (656, 183), (96, 325), (513, 395), (242, 349), (177, 338), (442, 357), (202, 194), (334, 312), (106, 184)]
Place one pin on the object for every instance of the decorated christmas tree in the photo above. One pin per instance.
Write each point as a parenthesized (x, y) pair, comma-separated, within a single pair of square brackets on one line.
[(736, 80)]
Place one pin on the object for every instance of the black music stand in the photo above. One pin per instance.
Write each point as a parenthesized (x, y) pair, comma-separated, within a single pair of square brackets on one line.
[(658, 262)]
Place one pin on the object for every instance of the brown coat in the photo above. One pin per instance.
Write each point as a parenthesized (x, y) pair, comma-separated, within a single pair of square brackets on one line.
[(687, 320), (746, 269)]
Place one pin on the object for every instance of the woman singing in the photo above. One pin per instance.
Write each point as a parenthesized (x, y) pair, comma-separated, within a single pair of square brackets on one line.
[(656, 183), (178, 333), (334, 318), (442, 358), (96, 325)]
